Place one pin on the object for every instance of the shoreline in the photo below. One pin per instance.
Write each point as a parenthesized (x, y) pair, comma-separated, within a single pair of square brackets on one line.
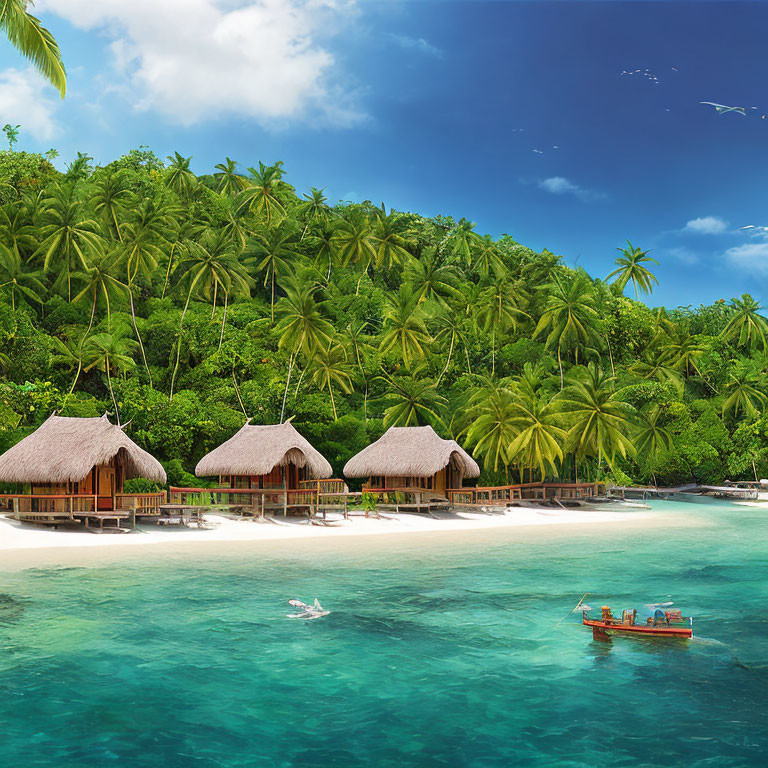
[(23, 546)]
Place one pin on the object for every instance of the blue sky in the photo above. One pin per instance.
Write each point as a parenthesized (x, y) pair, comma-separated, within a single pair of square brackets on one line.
[(437, 107)]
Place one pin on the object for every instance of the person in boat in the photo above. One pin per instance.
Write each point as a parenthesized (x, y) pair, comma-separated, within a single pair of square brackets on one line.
[(304, 611)]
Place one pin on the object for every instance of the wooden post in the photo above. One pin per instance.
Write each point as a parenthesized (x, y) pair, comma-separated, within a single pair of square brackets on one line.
[(16, 514), (133, 514), (285, 491)]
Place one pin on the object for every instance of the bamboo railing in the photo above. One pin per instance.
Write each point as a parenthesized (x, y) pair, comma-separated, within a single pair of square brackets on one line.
[(489, 495), (142, 503), (55, 508), (311, 496)]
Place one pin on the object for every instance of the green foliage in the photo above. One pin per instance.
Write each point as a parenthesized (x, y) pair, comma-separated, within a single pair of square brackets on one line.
[(183, 305), (22, 171)]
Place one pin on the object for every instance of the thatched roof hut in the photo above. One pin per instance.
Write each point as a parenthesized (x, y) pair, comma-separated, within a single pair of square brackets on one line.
[(65, 449), (411, 452), (258, 449)]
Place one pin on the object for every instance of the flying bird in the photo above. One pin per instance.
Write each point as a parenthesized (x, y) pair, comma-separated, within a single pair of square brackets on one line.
[(538, 151), (721, 109)]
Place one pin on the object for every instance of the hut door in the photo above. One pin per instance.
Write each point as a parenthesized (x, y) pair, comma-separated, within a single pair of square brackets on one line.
[(292, 477), (106, 487), (439, 482)]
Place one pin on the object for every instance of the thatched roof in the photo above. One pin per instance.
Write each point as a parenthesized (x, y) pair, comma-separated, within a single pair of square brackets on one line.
[(65, 449), (410, 452), (257, 450)]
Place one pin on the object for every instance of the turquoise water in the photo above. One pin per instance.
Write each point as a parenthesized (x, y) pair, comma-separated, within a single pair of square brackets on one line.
[(435, 654)]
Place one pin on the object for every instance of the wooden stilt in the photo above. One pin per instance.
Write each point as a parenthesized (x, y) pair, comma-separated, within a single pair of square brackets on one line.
[(285, 493)]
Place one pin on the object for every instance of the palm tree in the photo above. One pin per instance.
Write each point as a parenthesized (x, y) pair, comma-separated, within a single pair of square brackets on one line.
[(261, 195), (330, 368), (540, 436), (178, 176), (228, 180), (16, 231), (569, 317), (493, 428), (144, 236), (631, 268), (313, 209), (389, 242), (100, 281), (68, 235), (324, 244), (600, 421), (678, 347), (462, 240), (111, 197), (271, 253), (69, 353), (497, 311), (745, 391), (109, 352), (359, 345), (210, 267), (487, 258), (449, 324), (12, 134), (355, 243), (413, 401), (404, 326), (746, 326), (34, 41), (655, 366), (16, 280), (650, 438), (80, 168), (430, 278), (302, 328)]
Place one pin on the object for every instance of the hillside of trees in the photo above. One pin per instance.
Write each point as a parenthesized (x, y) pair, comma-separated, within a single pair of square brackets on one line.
[(183, 304)]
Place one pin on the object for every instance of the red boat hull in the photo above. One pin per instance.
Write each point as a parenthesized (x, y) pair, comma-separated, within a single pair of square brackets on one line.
[(639, 630)]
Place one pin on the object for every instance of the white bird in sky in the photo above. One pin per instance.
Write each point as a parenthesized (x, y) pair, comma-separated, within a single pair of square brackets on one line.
[(538, 151)]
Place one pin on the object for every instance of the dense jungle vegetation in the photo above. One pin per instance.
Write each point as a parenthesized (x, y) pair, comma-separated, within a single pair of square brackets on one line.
[(184, 304)]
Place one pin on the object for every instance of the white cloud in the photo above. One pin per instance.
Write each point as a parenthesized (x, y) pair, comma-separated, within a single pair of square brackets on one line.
[(559, 185), (26, 99), (707, 225), (684, 255), (418, 44), (752, 257), (196, 60)]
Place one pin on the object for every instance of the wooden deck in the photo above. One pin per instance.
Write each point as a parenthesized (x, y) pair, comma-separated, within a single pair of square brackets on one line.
[(501, 495), (310, 498), (79, 509)]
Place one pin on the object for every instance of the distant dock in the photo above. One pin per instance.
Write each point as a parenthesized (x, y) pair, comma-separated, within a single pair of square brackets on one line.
[(742, 491)]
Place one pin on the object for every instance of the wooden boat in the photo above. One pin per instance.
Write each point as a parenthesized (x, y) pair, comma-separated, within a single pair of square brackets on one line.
[(662, 622)]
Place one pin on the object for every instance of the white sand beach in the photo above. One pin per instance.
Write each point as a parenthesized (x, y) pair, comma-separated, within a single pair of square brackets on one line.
[(22, 544)]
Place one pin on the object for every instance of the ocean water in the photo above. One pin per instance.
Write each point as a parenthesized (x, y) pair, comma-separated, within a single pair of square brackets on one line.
[(435, 653)]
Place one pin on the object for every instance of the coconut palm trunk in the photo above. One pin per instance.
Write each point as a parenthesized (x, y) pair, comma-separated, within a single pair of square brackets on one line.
[(181, 327), (287, 384)]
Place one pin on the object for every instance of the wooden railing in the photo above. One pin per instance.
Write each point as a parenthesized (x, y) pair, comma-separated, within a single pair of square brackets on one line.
[(143, 503), (327, 486), (62, 507), (405, 496), (312, 496), (489, 495), (55, 507)]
